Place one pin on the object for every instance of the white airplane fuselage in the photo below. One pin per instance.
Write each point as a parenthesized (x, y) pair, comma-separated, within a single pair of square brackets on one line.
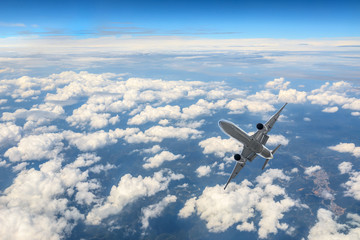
[(234, 131)]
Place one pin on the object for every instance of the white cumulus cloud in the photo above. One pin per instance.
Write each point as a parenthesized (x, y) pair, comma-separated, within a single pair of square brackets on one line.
[(219, 146), (128, 190), (335, 94), (203, 171), (98, 139), (9, 133), (159, 133), (346, 148), (253, 105), (155, 114), (160, 158), (353, 185), (310, 170), (36, 147), (345, 167), (155, 210), (40, 114), (239, 204), (36, 205), (202, 107), (277, 83), (277, 139), (292, 96), (327, 227), (330, 109)]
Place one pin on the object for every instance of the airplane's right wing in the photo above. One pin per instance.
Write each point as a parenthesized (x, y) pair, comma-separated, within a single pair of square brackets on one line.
[(262, 136), (269, 124), (246, 154)]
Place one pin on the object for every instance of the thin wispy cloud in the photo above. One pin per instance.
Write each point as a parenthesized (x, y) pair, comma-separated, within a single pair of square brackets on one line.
[(7, 24)]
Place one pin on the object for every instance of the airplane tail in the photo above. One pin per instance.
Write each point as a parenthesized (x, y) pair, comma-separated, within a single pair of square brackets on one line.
[(272, 152)]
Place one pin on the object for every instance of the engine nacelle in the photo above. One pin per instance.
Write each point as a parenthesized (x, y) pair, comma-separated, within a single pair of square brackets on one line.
[(261, 127), (237, 157)]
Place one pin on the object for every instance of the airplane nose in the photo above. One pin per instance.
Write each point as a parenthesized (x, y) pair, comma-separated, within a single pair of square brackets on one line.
[(225, 126), (221, 123)]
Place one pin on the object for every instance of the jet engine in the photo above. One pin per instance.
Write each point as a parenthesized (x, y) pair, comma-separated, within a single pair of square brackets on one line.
[(240, 160), (261, 127)]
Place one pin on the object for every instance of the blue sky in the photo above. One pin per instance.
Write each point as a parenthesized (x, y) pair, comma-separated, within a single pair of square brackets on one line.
[(210, 19)]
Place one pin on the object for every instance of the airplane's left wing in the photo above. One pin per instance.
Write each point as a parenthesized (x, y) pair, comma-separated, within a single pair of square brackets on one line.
[(246, 154), (238, 166)]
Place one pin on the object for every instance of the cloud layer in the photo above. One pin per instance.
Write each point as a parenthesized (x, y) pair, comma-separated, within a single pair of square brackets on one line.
[(52, 140)]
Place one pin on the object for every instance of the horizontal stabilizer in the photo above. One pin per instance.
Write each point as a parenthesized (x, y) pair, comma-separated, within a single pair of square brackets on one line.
[(273, 151), (266, 161)]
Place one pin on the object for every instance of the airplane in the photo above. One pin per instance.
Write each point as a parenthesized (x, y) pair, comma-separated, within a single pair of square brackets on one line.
[(253, 145)]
